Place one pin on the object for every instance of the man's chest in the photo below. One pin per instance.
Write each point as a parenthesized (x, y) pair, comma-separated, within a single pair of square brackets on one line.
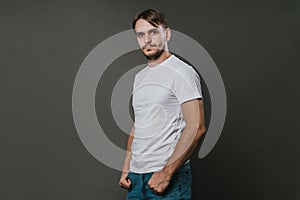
[(153, 93)]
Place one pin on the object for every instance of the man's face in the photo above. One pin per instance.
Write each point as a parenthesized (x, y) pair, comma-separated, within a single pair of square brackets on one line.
[(152, 40)]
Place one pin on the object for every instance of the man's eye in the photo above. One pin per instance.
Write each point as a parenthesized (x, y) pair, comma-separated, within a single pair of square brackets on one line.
[(140, 35), (153, 32)]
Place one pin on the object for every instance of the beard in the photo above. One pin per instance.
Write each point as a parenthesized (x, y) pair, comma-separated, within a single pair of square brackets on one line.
[(155, 55)]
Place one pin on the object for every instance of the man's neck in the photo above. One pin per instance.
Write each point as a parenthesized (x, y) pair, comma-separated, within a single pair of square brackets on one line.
[(165, 55)]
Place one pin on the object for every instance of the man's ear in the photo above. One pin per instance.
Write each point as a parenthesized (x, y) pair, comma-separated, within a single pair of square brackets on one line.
[(168, 34)]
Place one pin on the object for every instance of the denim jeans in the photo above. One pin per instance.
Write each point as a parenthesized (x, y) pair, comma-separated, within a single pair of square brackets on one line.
[(178, 189)]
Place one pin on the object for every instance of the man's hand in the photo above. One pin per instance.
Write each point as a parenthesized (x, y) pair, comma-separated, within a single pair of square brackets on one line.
[(159, 181), (125, 181)]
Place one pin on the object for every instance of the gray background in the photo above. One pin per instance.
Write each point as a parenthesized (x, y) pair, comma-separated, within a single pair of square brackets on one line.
[(254, 44)]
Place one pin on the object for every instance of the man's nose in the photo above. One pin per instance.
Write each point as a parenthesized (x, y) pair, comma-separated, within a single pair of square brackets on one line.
[(147, 38)]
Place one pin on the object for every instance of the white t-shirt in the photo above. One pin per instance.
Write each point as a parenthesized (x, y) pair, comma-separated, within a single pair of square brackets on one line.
[(157, 93)]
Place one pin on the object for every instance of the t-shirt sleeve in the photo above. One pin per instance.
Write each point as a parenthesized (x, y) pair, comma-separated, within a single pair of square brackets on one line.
[(187, 86)]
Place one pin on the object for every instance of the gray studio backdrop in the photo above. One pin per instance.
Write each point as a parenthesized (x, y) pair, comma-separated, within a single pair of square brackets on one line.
[(253, 43)]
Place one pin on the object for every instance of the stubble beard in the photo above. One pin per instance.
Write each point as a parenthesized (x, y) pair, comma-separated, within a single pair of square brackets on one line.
[(156, 55)]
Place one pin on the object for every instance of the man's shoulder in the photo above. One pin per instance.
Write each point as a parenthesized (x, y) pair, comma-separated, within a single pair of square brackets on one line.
[(181, 67)]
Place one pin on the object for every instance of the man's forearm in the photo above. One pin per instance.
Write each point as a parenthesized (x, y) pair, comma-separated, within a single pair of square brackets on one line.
[(187, 143), (126, 162), (128, 151)]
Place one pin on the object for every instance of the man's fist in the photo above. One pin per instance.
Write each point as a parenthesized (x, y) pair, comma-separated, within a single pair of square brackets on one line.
[(159, 181), (125, 181)]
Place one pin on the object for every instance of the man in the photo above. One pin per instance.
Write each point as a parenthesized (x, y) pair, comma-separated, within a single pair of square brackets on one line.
[(169, 117)]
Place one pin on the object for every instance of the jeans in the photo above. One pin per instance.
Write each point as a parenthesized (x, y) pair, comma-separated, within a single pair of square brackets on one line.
[(178, 189)]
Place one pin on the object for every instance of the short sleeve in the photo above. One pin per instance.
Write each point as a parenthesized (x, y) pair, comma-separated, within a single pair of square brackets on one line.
[(186, 85)]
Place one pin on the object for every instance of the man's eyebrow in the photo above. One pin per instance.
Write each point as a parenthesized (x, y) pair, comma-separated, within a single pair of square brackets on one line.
[(139, 32), (152, 29), (148, 30)]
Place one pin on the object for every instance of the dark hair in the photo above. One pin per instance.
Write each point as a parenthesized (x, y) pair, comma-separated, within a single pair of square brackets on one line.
[(154, 17)]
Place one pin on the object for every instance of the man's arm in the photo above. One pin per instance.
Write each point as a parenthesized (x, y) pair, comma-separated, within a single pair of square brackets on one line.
[(124, 181), (193, 114)]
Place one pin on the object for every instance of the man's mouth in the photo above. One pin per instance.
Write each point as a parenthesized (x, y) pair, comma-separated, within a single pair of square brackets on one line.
[(149, 47)]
